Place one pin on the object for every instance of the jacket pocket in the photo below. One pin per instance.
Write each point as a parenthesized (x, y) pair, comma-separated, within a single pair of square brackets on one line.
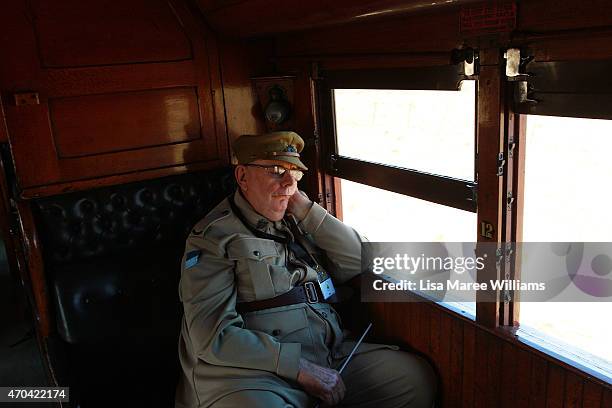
[(253, 257), (286, 325), (255, 249)]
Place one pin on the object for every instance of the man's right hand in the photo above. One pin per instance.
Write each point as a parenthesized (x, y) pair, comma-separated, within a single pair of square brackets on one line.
[(323, 383)]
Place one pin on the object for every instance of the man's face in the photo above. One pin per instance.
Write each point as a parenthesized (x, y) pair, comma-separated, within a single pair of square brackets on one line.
[(268, 193)]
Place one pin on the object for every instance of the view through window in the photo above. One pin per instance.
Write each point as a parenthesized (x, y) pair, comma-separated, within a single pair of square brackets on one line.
[(429, 131), (404, 128), (567, 198)]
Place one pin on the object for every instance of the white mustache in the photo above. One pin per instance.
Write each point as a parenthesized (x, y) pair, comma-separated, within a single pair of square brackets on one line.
[(283, 194)]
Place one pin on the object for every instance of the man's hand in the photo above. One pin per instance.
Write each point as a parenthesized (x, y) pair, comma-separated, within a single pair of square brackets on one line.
[(323, 383), (299, 205)]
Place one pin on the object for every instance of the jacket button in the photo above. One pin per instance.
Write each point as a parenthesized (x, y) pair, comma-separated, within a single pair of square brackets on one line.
[(276, 332), (256, 253), (324, 314)]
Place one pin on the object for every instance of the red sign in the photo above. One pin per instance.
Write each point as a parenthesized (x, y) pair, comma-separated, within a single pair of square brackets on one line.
[(486, 18)]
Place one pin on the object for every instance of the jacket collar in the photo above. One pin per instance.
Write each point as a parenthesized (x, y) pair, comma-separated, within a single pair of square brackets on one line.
[(253, 217)]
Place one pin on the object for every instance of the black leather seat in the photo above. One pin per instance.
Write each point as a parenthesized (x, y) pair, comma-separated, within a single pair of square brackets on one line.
[(112, 259)]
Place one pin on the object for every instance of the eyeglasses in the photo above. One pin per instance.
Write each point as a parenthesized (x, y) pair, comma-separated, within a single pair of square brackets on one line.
[(279, 171)]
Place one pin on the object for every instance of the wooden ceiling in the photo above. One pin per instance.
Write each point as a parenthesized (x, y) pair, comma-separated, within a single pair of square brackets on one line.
[(253, 18)]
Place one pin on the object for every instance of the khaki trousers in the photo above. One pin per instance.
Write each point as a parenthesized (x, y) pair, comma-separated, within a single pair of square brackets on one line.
[(376, 379)]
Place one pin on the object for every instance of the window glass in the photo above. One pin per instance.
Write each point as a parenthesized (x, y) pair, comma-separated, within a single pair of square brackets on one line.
[(567, 198), (384, 216), (429, 131)]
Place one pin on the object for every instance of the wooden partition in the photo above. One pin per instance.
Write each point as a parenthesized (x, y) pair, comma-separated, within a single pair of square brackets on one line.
[(92, 90), (479, 367)]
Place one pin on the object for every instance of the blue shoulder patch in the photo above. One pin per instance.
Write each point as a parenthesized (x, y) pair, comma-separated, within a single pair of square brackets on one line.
[(192, 259)]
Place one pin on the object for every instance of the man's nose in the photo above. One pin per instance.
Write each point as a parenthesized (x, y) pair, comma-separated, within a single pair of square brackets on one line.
[(287, 179)]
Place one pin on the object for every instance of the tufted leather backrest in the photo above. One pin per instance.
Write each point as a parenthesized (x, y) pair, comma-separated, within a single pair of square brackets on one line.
[(105, 221), (112, 255)]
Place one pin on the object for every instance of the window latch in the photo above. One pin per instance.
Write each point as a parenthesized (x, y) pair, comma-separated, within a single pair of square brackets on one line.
[(332, 163), (516, 66), (470, 59), (474, 190)]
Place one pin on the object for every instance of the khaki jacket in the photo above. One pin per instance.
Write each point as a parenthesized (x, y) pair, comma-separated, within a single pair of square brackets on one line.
[(224, 263)]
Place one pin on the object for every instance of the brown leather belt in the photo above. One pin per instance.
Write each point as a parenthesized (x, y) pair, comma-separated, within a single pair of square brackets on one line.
[(306, 293)]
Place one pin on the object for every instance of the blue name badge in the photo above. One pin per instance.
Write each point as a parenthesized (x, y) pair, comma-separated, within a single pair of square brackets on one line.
[(191, 259), (327, 288)]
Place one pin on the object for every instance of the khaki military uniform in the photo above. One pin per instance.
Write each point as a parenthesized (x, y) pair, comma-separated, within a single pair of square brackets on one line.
[(252, 360)]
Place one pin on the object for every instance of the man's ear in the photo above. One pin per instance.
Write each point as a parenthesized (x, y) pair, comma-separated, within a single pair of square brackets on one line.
[(240, 174)]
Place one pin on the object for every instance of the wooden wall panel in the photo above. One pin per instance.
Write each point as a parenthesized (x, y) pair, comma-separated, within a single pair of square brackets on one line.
[(397, 35), (607, 399), (456, 364), (539, 382), (591, 46), (523, 378), (95, 124), (423, 339), (494, 370), (433, 349), (469, 362), (239, 62), (253, 18), (591, 395), (481, 367), (552, 15), (508, 374), (3, 130), (151, 102), (480, 361), (74, 33), (573, 391), (444, 358), (555, 388)]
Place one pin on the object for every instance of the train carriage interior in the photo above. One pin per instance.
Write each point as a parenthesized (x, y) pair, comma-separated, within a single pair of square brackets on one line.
[(458, 121)]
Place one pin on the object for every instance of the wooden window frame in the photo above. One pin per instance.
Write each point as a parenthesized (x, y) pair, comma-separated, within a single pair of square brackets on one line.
[(444, 190), (449, 191)]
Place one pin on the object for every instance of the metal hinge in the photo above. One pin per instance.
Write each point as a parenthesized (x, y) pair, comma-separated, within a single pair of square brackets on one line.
[(509, 201), (511, 146), (503, 256), (501, 161)]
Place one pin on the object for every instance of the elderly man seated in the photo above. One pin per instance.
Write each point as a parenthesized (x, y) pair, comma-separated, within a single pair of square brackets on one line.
[(257, 271)]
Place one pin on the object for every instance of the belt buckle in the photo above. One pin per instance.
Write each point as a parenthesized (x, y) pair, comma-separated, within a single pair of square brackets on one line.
[(311, 292)]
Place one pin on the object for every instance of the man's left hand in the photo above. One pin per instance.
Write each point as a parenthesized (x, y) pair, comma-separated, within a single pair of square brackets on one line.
[(299, 205)]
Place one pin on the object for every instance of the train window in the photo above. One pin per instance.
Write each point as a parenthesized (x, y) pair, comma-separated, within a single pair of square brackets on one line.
[(404, 128), (386, 216), (402, 145), (567, 199)]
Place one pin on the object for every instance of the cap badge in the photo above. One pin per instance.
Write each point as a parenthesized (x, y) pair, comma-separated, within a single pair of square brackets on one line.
[(291, 149)]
